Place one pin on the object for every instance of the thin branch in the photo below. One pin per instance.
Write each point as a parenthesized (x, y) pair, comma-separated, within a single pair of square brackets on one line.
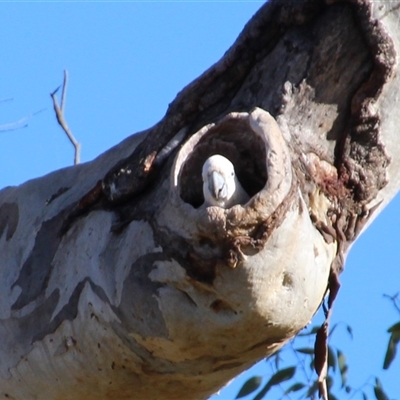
[(64, 90), (394, 299), (60, 117), (20, 124)]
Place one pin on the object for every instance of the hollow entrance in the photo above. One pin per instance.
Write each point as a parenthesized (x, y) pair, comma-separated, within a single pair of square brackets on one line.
[(235, 140)]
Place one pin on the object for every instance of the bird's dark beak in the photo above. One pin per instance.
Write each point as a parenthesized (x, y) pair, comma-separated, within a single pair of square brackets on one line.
[(217, 185)]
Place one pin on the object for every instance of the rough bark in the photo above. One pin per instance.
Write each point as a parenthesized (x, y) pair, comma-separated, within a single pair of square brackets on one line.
[(116, 284)]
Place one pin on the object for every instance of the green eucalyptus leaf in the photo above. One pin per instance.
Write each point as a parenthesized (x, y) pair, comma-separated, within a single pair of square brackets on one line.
[(350, 331), (305, 350), (343, 368), (312, 390), (390, 351), (282, 376), (312, 331), (295, 387), (378, 391), (331, 358), (249, 386), (279, 377), (329, 382)]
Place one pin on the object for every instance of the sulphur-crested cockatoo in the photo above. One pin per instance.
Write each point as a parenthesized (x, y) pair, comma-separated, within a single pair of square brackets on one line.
[(221, 187)]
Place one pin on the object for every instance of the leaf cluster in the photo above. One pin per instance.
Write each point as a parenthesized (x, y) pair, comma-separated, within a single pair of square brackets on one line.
[(291, 372)]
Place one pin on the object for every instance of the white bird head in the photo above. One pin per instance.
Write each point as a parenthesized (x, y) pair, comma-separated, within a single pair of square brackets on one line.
[(221, 187)]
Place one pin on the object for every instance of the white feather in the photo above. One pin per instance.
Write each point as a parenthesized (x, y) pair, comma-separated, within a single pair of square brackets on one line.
[(221, 187)]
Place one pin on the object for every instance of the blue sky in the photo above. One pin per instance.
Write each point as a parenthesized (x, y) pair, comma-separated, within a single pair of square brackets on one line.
[(126, 63)]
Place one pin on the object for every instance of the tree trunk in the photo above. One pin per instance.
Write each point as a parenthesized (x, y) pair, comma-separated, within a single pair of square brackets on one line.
[(117, 283)]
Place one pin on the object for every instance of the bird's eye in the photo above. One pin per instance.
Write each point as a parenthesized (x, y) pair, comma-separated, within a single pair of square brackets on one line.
[(232, 173)]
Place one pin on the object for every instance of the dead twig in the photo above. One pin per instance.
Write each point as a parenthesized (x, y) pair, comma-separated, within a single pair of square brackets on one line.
[(20, 124), (395, 299), (59, 110)]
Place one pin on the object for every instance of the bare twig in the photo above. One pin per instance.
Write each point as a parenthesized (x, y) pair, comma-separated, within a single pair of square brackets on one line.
[(394, 299), (21, 123), (64, 90), (60, 117)]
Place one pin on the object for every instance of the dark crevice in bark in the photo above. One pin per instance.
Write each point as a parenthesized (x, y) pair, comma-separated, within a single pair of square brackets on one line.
[(35, 272), (25, 329), (70, 310), (59, 193), (132, 309), (9, 217), (199, 268)]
